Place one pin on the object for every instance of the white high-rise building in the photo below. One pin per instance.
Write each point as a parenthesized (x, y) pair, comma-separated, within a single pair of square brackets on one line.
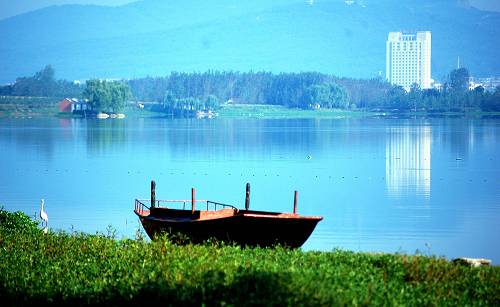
[(408, 59)]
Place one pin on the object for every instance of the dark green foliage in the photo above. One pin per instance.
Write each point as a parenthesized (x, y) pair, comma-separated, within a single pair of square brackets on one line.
[(397, 98), (106, 96), (120, 93), (84, 269), (16, 221), (326, 95), (210, 88), (459, 80), (42, 84), (188, 106), (185, 94), (491, 102), (211, 102), (183, 91)]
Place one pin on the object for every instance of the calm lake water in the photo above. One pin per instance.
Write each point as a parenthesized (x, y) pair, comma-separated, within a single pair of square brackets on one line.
[(391, 185)]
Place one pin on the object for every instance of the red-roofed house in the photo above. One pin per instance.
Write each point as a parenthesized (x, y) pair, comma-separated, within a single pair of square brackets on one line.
[(72, 105)]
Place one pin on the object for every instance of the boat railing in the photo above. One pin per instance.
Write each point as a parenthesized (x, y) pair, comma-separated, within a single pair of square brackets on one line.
[(140, 207), (140, 204), (215, 204)]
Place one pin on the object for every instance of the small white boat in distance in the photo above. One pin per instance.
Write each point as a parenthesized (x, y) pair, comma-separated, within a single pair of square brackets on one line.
[(102, 115)]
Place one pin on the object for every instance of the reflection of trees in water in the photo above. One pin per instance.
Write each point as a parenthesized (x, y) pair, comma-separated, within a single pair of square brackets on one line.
[(462, 135), (105, 135), (247, 138), (42, 136), (30, 135)]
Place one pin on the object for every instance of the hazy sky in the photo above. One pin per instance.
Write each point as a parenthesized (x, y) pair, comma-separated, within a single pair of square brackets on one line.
[(14, 7)]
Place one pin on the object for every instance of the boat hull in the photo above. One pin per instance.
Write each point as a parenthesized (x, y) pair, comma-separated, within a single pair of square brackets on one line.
[(243, 227)]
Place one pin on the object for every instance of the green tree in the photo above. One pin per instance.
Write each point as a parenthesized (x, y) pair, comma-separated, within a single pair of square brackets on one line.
[(459, 80), (327, 95), (415, 97), (98, 94), (169, 101), (397, 98), (491, 101), (120, 93), (45, 75), (430, 99), (211, 102), (42, 84), (106, 96)]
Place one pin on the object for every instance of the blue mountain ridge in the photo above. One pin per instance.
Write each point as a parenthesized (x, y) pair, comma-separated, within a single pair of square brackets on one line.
[(154, 37)]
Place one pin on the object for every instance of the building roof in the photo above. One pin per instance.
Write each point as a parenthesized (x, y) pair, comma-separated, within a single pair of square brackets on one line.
[(76, 100)]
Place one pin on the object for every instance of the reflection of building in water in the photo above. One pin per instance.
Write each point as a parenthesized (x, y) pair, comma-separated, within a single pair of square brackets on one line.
[(408, 160)]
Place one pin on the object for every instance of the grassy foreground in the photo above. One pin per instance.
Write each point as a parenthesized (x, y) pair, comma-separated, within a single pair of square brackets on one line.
[(82, 269)]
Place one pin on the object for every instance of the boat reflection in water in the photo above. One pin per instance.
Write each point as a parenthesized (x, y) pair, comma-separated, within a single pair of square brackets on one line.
[(225, 222)]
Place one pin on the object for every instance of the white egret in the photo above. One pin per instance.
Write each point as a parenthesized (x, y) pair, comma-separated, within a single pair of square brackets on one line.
[(44, 217)]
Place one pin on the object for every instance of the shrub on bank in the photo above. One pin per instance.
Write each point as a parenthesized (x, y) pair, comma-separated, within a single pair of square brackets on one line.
[(16, 221), (85, 269)]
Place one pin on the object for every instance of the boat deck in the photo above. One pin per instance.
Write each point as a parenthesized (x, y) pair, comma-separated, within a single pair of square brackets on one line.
[(185, 215)]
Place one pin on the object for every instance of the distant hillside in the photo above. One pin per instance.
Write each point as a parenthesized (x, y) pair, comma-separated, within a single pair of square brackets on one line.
[(154, 37)]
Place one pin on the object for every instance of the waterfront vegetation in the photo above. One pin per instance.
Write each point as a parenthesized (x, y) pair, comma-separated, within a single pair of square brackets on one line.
[(269, 95), (313, 90), (43, 107), (85, 269), (42, 84), (21, 106), (276, 111), (104, 96), (33, 109)]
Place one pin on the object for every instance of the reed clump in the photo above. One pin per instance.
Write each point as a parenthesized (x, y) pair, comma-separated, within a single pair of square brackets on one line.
[(85, 269)]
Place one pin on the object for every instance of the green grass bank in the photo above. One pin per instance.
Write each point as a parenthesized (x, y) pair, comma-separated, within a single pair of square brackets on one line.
[(43, 107), (83, 269), (27, 107), (274, 111), (282, 112)]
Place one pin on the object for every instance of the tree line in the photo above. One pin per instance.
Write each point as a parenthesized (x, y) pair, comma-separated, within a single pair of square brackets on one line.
[(455, 95), (313, 90), (103, 96), (298, 90), (186, 107), (179, 92), (42, 84)]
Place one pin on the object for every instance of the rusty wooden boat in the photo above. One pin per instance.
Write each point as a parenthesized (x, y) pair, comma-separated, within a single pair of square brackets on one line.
[(224, 222)]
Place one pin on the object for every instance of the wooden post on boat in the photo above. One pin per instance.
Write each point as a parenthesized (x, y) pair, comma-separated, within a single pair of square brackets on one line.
[(295, 200), (153, 193), (247, 197), (192, 200)]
